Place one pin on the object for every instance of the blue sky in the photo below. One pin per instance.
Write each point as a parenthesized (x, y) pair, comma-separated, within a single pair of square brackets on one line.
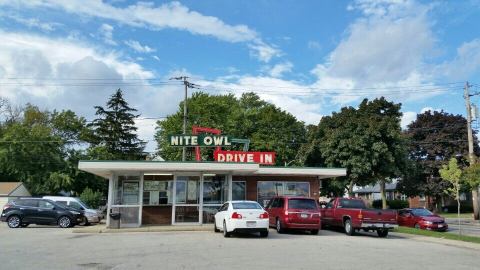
[(308, 57)]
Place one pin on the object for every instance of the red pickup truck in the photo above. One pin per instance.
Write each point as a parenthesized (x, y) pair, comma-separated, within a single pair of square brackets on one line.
[(353, 215)]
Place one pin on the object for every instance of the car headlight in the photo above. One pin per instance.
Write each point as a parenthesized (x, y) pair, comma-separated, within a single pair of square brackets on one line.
[(90, 214), (428, 222), (75, 212)]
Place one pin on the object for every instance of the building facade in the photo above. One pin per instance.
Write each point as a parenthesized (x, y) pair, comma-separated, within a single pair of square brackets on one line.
[(176, 193)]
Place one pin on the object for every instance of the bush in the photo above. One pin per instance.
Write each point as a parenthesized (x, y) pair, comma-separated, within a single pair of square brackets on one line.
[(91, 198), (392, 204)]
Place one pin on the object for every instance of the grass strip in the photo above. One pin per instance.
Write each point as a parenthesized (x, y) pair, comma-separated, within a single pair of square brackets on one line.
[(442, 235), (454, 215)]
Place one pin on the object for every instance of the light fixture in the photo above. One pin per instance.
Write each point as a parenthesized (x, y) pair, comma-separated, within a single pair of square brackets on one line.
[(167, 174)]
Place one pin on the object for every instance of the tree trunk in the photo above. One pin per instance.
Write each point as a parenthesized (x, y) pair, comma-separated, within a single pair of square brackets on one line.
[(382, 194), (350, 189), (476, 206), (458, 213)]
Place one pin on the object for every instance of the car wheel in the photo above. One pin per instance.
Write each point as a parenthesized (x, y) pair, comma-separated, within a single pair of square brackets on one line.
[(348, 227), (264, 234), (314, 232), (225, 233), (215, 229), (417, 226), (84, 222), (382, 233), (14, 221), (24, 225), (64, 222), (279, 226)]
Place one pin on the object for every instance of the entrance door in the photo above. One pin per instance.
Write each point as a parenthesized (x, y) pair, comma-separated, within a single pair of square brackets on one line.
[(187, 199)]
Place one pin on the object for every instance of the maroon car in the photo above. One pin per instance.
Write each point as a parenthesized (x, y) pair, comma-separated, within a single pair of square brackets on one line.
[(421, 218), (294, 213)]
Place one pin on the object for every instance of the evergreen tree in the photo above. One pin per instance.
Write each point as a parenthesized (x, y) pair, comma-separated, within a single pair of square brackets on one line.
[(114, 131)]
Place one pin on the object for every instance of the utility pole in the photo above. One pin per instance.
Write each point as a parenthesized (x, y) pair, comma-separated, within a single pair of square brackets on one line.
[(471, 154), (187, 85)]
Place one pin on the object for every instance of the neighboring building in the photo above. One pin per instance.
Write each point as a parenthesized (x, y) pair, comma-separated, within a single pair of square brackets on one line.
[(176, 193), (372, 193), (12, 190)]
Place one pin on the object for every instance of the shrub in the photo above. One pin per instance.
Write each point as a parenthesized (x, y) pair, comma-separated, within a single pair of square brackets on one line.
[(392, 204), (91, 198)]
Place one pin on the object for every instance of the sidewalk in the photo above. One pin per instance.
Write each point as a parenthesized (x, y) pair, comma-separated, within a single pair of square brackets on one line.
[(463, 221), (102, 228)]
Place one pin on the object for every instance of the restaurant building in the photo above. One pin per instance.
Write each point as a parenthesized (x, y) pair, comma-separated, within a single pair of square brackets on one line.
[(176, 193)]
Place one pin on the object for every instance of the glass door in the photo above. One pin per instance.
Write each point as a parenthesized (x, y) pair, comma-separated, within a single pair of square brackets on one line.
[(215, 193), (187, 199)]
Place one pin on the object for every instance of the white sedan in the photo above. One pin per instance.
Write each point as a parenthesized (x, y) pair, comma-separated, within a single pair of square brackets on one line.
[(241, 216)]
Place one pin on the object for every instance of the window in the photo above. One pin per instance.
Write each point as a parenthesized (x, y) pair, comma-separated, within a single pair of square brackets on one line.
[(268, 189), (76, 205), (224, 207), (274, 203), (355, 204), (281, 202), (45, 204), (28, 203), (302, 204), (246, 205), (239, 190), (215, 189), (157, 192), (330, 204)]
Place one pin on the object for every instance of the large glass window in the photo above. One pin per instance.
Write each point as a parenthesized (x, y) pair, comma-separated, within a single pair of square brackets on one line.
[(267, 189), (214, 189), (157, 192), (239, 190), (127, 190)]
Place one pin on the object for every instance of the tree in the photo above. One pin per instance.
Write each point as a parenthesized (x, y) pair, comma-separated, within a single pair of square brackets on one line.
[(268, 127), (434, 138), (452, 174), (367, 141), (113, 135), (471, 177)]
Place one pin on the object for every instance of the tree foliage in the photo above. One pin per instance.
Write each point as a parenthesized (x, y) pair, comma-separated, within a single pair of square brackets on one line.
[(114, 131), (268, 127), (367, 141), (434, 138)]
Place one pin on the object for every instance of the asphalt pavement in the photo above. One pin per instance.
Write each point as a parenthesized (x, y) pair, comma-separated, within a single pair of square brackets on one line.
[(54, 248), (468, 226)]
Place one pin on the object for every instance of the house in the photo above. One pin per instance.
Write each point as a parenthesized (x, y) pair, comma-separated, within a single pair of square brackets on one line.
[(12, 190), (371, 193)]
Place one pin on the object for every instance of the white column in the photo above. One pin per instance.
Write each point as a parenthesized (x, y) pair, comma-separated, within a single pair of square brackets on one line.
[(230, 185), (141, 200), (174, 197), (111, 180)]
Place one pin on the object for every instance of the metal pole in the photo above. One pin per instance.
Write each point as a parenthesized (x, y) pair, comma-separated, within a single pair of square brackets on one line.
[(184, 149)]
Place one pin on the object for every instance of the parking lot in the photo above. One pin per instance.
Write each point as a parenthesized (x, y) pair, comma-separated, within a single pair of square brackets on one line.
[(54, 248)]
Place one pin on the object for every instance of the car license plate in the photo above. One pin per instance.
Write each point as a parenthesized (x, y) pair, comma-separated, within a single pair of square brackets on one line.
[(304, 215), (440, 225), (251, 224)]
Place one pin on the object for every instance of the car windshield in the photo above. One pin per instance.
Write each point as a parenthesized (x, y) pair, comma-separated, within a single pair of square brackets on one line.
[(421, 212), (246, 205), (301, 204), (83, 204)]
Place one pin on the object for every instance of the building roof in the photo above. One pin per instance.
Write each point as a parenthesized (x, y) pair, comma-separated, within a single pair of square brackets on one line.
[(107, 168), (376, 188), (6, 188)]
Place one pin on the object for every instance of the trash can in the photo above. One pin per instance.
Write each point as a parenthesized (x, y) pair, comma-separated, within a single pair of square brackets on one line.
[(114, 220)]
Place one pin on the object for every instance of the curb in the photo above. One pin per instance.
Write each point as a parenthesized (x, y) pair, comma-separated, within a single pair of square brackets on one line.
[(448, 242), (145, 229)]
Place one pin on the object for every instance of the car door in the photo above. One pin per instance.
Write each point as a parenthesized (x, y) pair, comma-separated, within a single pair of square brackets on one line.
[(29, 210), (220, 215), (46, 212), (271, 211), (327, 217)]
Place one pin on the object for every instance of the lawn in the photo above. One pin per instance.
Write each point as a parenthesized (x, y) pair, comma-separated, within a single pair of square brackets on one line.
[(465, 238), (454, 215)]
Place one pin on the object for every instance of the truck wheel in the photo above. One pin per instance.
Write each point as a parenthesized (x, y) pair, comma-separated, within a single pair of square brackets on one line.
[(279, 226), (314, 232), (382, 233), (349, 230)]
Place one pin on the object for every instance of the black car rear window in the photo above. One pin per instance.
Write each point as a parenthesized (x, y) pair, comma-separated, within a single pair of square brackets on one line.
[(301, 204), (355, 204)]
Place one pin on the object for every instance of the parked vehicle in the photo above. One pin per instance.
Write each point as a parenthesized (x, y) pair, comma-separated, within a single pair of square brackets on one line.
[(294, 213), (241, 216), (91, 215), (353, 215), (421, 218), (22, 212)]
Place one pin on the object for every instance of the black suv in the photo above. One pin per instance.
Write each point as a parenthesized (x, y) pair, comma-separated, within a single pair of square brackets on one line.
[(22, 212)]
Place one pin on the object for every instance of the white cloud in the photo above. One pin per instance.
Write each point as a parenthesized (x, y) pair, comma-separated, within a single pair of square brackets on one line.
[(408, 118), (314, 45), (465, 64), (169, 15), (31, 22), (278, 70), (156, 58), (135, 45), (106, 32)]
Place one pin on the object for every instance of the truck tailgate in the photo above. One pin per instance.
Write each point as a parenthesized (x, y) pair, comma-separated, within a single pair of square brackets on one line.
[(379, 216)]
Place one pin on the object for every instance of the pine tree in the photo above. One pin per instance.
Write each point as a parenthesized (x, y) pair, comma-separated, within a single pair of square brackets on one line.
[(114, 131)]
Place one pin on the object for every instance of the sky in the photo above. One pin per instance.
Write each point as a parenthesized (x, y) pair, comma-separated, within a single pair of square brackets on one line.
[(309, 58)]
